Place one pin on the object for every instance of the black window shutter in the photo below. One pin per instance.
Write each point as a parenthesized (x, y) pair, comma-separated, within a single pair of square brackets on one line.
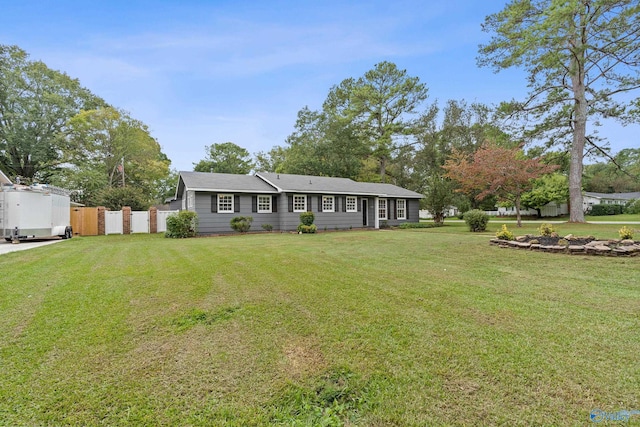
[(236, 203), (359, 204), (395, 211), (274, 203), (406, 209), (344, 204), (214, 203), (290, 201), (254, 203), (319, 204)]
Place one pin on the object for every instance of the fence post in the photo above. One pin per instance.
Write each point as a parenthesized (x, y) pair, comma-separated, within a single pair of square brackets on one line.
[(153, 219), (126, 220), (101, 221)]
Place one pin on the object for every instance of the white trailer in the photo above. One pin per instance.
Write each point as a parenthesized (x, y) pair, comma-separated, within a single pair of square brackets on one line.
[(34, 212)]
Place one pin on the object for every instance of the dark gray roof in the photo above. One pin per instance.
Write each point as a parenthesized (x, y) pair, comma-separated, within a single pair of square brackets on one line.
[(205, 181), (322, 184), (614, 196), (388, 190)]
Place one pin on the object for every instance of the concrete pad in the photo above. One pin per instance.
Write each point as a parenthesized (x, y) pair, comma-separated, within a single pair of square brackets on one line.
[(6, 247)]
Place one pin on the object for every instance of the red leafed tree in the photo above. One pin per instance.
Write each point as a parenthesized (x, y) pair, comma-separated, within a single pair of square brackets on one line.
[(503, 172)]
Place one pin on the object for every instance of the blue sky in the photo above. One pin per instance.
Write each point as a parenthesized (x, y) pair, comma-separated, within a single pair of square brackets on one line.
[(204, 72)]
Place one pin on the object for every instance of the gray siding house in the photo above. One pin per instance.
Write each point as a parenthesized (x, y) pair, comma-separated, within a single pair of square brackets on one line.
[(278, 200)]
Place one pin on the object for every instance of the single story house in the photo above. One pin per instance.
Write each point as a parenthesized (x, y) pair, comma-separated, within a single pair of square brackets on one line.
[(589, 199), (278, 199)]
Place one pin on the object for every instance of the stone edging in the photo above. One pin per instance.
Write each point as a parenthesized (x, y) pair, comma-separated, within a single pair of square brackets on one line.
[(596, 247)]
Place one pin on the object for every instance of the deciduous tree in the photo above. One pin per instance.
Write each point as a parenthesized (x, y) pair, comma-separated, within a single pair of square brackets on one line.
[(580, 56), (117, 151), (492, 170), (546, 189), (36, 104)]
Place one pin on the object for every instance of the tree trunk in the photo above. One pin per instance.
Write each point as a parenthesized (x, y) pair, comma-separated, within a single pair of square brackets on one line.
[(518, 217), (383, 169), (576, 213)]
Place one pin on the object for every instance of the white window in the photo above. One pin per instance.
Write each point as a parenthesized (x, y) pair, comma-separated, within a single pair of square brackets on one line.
[(401, 209), (382, 208), (352, 204), (225, 203), (264, 204), (299, 203), (327, 203)]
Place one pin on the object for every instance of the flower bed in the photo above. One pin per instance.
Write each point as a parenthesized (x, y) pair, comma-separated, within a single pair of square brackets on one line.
[(570, 244)]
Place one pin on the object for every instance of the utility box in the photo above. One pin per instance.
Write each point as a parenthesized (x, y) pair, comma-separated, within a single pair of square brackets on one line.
[(34, 212)]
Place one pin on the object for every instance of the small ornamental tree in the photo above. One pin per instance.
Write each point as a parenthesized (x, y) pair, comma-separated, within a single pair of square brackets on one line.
[(492, 170), (306, 223)]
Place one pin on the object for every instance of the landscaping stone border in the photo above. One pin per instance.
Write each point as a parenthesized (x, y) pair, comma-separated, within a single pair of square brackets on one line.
[(614, 247)]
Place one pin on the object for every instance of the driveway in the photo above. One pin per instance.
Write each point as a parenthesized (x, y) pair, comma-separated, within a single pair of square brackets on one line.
[(6, 247)]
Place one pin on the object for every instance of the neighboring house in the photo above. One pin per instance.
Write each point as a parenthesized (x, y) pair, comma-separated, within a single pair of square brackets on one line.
[(589, 199), (278, 200)]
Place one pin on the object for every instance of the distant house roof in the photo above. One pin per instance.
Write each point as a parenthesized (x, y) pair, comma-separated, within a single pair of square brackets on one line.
[(614, 196), (323, 184), (270, 183)]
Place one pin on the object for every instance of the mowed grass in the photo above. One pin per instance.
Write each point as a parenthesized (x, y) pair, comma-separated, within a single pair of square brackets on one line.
[(372, 328)]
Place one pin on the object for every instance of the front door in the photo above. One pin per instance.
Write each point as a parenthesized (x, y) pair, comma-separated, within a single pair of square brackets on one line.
[(365, 213)]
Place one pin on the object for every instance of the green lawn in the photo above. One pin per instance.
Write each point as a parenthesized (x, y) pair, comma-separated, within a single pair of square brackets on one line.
[(621, 218), (375, 328)]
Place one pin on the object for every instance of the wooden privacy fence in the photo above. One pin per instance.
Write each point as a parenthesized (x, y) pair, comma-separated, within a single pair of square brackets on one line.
[(100, 221)]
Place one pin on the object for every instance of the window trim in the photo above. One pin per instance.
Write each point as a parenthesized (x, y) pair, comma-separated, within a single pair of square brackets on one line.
[(333, 203), (224, 195), (386, 209), (404, 208), (354, 199), (294, 202), (268, 196), (191, 200)]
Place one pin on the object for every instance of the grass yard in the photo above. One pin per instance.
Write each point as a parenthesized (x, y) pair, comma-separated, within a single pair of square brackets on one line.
[(375, 328), (621, 217)]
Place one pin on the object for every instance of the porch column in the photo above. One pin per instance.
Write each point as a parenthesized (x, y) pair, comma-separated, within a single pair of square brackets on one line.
[(376, 213)]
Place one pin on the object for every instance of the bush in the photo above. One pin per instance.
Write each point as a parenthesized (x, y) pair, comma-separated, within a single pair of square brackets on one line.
[(182, 225), (476, 220), (546, 229), (241, 224), (632, 207), (114, 198), (505, 233), (601, 210), (307, 218), (407, 225), (267, 227), (626, 233), (307, 229)]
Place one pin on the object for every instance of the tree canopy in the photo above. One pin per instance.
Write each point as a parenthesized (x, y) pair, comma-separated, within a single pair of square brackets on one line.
[(381, 106), (36, 104), (225, 157), (580, 56)]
